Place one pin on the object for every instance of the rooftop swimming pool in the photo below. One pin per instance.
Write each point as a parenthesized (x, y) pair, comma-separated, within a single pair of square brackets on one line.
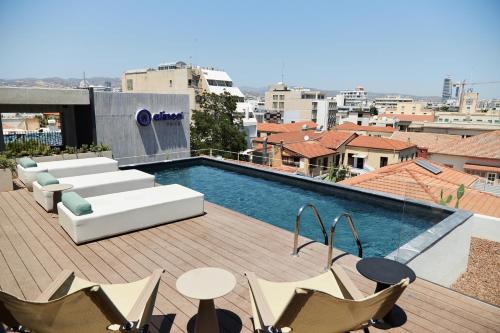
[(382, 228)]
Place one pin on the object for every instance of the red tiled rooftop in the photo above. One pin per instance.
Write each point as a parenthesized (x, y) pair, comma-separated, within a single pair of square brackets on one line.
[(429, 141), (284, 128), (290, 137), (408, 179), (334, 139), (348, 126), (309, 149), (476, 167), (486, 145), (379, 143)]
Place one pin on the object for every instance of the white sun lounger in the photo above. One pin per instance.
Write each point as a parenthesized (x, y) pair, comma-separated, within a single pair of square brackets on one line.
[(97, 184), (67, 168), (118, 213)]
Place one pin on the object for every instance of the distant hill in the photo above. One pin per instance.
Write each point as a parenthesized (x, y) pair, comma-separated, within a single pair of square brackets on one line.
[(57, 82)]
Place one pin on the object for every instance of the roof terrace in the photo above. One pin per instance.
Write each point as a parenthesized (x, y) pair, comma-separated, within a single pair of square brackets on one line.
[(34, 249)]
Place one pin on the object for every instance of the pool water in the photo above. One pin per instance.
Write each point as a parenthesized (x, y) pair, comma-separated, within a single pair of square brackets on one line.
[(380, 229)]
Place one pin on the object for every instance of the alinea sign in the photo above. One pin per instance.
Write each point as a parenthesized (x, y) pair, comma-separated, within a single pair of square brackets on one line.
[(143, 117)]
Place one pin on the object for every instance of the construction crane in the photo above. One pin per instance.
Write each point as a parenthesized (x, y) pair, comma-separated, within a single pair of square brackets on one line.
[(464, 83)]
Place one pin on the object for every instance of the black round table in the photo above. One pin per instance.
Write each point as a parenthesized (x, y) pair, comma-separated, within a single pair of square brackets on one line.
[(386, 273)]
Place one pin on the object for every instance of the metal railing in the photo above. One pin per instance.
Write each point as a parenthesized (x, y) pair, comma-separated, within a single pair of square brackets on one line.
[(320, 171), (52, 139), (297, 223), (332, 234)]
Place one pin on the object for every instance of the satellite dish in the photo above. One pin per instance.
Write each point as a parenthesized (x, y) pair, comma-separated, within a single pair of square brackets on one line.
[(306, 137)]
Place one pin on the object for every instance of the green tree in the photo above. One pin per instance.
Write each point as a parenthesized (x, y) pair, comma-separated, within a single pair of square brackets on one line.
[(373, 111), (217, 125)]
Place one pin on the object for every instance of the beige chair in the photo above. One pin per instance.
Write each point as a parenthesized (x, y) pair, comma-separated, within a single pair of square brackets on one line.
[(326, 303), (71, 304)]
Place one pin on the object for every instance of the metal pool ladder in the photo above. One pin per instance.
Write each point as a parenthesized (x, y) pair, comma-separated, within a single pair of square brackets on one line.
[(297, 223), (332, 234)]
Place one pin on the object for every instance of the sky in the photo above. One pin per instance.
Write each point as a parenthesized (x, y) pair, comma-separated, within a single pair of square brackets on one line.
[(386, 46)]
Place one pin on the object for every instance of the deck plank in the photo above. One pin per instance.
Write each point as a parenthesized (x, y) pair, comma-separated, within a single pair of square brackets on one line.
[(34, 249)]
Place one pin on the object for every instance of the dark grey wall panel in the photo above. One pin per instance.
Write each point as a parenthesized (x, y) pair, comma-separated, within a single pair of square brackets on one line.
[(131, 143)]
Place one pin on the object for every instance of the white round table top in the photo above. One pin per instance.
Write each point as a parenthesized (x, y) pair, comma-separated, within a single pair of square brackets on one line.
[(57, 187), (206, 283)]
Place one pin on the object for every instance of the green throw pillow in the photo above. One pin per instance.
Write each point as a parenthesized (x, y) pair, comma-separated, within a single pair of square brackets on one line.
[(45, 178), (76, 204), (27, 162)]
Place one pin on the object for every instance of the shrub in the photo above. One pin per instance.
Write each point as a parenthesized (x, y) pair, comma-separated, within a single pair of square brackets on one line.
[(7, 163)]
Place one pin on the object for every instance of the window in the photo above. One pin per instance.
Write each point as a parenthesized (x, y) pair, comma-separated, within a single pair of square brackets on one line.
[(491, 178), (170, 83), (282, 97), (350, 159), (282, 105), (383, 161), (275, 105), (189, 82), (275, 97), (130, 84)]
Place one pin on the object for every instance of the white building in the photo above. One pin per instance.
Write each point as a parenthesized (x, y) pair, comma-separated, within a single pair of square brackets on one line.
[(248, 109), (390, 102)]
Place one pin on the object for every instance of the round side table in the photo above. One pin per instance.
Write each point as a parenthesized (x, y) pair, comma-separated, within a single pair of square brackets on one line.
[(57, 189), (205, 284), (386, 273)]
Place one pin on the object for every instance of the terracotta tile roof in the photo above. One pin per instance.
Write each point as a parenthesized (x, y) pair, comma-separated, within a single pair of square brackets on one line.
[(309, 149), (411, 117), (334, 139), (284, 128), (379, 143), (425, 140), (290, 137), (476, 167), (486, 145), (348, 126), (410, 180)]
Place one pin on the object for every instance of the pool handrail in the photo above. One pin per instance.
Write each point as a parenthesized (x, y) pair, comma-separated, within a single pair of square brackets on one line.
[(297, 223), (332, 234)]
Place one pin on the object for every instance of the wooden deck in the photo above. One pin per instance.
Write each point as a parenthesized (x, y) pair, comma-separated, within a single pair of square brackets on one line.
[(34, 249)]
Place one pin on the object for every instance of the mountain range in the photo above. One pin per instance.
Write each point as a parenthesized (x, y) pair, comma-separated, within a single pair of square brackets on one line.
[(57, 82)]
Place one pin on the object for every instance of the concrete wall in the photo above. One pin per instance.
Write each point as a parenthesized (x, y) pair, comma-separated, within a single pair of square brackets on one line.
[(132, 143), (446, 260)]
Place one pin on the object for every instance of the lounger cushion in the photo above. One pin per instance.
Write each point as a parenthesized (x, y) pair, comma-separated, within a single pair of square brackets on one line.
[(76, 204), (46, 178), (97, 184), (27, 162), (118, 213), (67, 168)]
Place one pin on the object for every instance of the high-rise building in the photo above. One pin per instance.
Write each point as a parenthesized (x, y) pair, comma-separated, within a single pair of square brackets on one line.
[(447, 86), (297, 104)]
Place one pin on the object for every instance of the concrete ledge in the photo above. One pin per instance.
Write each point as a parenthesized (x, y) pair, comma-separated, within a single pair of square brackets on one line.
[(42, 96)]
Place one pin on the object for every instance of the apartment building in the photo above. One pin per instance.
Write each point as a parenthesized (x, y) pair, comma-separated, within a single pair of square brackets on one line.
[(418, 108), (490, 117), (289, 105), (180, 78), (352, 106), (469, 102), (387, 103)]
